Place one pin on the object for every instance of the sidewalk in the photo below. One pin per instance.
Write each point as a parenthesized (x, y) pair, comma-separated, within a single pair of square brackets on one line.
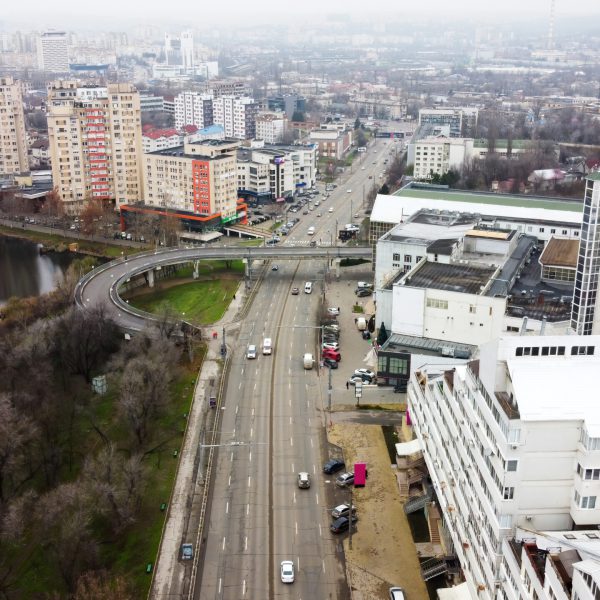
[(169, 572)]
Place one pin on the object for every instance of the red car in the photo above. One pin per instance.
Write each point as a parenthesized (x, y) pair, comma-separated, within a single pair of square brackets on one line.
[(333, 354)]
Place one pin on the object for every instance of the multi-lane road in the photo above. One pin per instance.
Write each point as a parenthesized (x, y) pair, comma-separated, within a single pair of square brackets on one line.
[(272, 427)]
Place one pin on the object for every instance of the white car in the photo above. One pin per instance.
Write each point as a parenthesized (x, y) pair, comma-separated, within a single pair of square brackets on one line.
[(331, 346), (251, 352), (334, 310), (287, 571), (361, 372), (396, 593), (348, 191), (331, 209)]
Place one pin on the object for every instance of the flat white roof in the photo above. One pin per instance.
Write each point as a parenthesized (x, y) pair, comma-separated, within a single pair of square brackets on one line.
[(557, 389), (457, 592), (395, 209)]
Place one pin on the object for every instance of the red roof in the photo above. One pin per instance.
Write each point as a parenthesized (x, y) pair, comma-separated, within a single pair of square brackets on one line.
[(158, 133), (190, 128)]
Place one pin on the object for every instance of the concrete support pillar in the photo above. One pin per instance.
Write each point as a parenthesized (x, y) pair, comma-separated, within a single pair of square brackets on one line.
[(336, 267), (246, 267), (151, 278), (196, 272)]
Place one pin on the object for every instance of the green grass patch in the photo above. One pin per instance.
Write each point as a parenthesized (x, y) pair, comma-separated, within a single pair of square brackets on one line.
[(203, 302), (210, 267), (391, 439), (251, 243), (357, 308)]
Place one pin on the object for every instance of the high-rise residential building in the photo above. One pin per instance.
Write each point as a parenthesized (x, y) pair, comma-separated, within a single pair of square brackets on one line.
[(195, 183), (512, 448), (585, 316), (53, 52), (13, 141), (95, 137), (172, 50), (236, 115), (187, 51), (193, 108)]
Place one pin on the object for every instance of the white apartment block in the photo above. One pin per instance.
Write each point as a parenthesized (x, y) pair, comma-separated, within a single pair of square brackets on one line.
[(198, 178), (193, 108), (438, 155), (53, 52), (95, 140), (271, 127), (274, 172), (13, 138), (161, 139), (237, 115), (512, 446), (187, 51)]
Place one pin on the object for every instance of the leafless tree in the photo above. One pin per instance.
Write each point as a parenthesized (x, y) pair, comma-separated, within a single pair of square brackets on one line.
[(101, 585)]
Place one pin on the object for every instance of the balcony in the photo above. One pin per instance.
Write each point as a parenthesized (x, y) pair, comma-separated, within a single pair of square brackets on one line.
[(511, 410)]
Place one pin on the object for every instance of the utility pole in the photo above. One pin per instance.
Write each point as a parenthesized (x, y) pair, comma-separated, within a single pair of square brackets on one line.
[(329, 393), (223, 345), (351, 524), (201, 460)]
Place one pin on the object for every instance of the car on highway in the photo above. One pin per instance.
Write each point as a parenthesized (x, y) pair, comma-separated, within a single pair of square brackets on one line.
[(365, 372), (251, 352), (333, 466), (348, 191), (334, 310), (396, 593), (330, 209), (345, 479), (303, 480), (287, 571), (342, 510), (342, 524), (329, 362), (187, 551), (295, 291), (275, 268)]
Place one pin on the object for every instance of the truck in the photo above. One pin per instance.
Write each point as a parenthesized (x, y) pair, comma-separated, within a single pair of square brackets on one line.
[(308, 361)]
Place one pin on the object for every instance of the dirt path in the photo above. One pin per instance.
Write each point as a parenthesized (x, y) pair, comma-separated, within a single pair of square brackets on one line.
[(383, 553)]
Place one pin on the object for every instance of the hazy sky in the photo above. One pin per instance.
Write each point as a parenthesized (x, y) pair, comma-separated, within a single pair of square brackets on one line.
[(63, 13)]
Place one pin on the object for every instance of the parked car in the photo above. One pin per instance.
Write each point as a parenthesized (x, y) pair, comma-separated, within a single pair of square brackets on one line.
[(187, 551), (342, 524), (361, 372), (275, 268), (345, 479), (364, 292), (334, 310), (287, 571), (342, 510), (327, 353), (303, 480), (331, 346), (333, 466), (396, 593), (329, 362), (360, 380)]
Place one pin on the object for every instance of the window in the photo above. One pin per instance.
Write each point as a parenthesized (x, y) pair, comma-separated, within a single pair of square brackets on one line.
[(511, 465), (588, 502), (407, 258), (435, 303), (396, 257), (593, 474), (472, 309)]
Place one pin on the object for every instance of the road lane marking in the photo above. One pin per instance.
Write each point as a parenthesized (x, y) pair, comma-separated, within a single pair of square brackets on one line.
[(227, 508), (240, 386), (293, 469), (249, 480), (255, 386), (236, 409), (290, 401), (290, 420), (220, 584), (296, 527), (317, 496), (251, 431), (320, 530), (223, 544), (231, 457), (298, 563), (250, 456), (246, 544), (323, 566), (248, 508), (294, 500), (252, 412), (229, 481), (314, 469), (244, 588), (311, 443), (291, 441)]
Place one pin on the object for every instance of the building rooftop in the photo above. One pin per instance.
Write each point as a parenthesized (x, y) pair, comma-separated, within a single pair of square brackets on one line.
[(560, 253), (464, 278)]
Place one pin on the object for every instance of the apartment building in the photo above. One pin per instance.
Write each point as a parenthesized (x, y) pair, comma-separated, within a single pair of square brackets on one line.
[(437, 155), (270, 173), (461, 120), (237, 115), (53, 52), (193, 108), (512, 447), (95, 140), (333, 141), (13, 138), (195, 183), (271, 127)]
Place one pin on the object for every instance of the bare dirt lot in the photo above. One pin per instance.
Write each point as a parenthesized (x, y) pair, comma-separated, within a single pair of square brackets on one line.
[(382, 553)]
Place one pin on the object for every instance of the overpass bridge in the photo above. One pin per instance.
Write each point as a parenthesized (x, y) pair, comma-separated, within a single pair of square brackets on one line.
[(101, 286)]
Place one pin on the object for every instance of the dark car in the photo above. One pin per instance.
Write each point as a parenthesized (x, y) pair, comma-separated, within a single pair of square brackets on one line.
[(295, 291), (333, 466), (363, 292), (342, 524), (329, 362)]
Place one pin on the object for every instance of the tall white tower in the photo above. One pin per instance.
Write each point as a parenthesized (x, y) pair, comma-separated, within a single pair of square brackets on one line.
[(551, 25), (187, 50)]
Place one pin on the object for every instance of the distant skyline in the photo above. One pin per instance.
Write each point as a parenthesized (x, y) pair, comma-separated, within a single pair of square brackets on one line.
[(118, 14)]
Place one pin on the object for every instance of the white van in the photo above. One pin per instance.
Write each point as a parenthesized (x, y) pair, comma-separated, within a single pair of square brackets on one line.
[(311, 231), (267, 346), (308, 287), (308, 361)]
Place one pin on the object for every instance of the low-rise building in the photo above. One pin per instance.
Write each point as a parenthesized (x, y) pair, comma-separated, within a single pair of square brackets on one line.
[(271, 127), (333, 141)]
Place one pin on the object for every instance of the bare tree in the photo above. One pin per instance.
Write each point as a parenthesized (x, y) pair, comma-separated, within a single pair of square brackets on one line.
[(101, 585)]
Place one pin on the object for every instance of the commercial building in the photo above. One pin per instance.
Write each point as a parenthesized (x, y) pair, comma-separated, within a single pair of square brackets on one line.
[(193, 108), (272, 173), (585, 318), (237, 115), (194, 183), (187, 51), (150, 103), (53, 52), (512, 448), (13, 138), (287, 103), (271, 127), (333, 142), (95, 138), (461, 120)]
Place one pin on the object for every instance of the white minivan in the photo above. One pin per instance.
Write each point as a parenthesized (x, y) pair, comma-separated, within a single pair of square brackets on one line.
[(267, 346), (311, 231), (308, 287)]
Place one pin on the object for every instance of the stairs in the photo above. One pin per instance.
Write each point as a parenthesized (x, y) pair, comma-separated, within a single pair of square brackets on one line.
[(432, 568), (417, 502)]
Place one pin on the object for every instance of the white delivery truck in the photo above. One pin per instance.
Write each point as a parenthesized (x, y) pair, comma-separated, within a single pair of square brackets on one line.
[(267, 346), (309, 361)]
